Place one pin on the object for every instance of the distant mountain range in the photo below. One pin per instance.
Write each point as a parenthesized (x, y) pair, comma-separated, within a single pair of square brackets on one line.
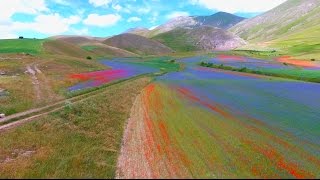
[(283, 27), (219, 20)]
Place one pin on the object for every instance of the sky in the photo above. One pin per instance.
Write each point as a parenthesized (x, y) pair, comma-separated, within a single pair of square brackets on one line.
[(103, 18)]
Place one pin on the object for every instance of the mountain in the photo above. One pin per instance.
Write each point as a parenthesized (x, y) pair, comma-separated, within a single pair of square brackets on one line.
[(138, 44), (220, 20), (200, 38), (290, 17)]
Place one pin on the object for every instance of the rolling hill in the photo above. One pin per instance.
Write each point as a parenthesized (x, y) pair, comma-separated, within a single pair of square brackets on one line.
[(60, 47), (91, 44), (200, 38), (288, 18), (138, 44)]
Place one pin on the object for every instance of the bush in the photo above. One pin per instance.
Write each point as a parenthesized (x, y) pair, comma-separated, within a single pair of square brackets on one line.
[(312, 59), (20, 37), (244, 69), (89, 57)]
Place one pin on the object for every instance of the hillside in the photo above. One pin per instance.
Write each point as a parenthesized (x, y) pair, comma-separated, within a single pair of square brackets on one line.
[(91, 44), (220, 20), (60, 47), (200, 38), (101, 49), (138, 44), (302, 44), (290, 17)]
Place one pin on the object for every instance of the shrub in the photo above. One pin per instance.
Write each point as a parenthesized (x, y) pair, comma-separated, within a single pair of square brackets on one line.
[(20, 37), (89, 57), (244, 69), (312, 59)]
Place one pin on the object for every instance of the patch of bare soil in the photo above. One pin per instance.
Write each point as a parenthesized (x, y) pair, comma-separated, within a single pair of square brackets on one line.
[(17, 153)]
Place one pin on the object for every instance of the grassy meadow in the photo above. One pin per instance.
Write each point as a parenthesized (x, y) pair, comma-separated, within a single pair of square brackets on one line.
[(82, 140), (31, 46)]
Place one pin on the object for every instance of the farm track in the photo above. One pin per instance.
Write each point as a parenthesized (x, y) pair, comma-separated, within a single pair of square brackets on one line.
[(18, 119)]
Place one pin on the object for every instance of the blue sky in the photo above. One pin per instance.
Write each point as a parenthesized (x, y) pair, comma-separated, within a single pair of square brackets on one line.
[(101, 18)]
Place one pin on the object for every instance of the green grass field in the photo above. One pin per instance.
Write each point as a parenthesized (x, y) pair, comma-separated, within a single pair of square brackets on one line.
[(31, 46), (303, 44)]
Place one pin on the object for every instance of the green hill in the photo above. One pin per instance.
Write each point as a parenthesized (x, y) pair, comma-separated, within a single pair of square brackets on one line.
[(288, 18), (31, 46)]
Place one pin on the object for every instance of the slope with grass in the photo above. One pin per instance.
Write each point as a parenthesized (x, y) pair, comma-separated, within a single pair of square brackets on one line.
[(200, 38), (138, 44), (289, 17), (60, 47), (303, 44), (100, 49)]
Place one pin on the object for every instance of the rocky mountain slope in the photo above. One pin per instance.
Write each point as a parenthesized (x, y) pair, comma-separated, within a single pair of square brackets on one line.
[(220, 20), (200, 38)]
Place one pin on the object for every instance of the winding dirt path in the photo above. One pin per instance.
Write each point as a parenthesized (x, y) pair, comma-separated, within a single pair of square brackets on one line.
[(33, 71), (17, 119)]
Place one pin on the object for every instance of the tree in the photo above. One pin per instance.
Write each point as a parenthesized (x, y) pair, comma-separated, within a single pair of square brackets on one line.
[(20, 37)]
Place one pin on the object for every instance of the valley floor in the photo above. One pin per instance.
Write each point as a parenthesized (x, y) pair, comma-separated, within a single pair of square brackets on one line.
[(195, 122), (205, 123)]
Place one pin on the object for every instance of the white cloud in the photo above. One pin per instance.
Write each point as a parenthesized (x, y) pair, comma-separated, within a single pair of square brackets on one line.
[(177, 14), (102, 20), (48, 24), (10, 7), (233, 6), (153, 27), (134, 19), (6, 33), (97, 3), (117, 7)]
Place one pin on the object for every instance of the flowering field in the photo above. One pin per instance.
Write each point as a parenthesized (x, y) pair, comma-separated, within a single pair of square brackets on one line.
[(207, 123), (122, 68)]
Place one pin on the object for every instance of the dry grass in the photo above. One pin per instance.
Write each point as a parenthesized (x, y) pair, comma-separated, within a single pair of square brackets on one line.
[(81, 141), (53, 81)]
